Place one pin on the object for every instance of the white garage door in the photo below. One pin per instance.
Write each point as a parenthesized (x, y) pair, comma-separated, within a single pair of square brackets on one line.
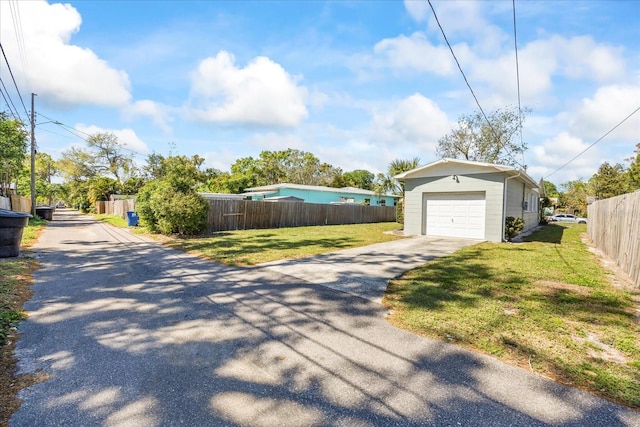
[(455, 215)]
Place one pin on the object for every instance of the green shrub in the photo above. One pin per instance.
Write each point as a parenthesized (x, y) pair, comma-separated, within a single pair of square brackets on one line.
[(163, 209), (513, 227), (400, 212)]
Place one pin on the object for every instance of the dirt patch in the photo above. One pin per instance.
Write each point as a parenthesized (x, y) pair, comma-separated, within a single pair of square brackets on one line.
[(618, 277), (600, 350), (549, 285)]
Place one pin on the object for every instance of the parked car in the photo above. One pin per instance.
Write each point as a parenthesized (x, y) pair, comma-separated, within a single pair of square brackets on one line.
[(568, 218)]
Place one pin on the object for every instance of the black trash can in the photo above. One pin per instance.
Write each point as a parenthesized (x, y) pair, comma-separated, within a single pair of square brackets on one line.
[(132, 219), (45, 212), (11, 226)]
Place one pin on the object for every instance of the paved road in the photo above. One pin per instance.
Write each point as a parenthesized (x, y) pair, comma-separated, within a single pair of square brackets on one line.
[(136, 334)]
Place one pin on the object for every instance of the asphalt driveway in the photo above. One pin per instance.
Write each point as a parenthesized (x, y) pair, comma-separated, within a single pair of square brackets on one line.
[(132, 333)]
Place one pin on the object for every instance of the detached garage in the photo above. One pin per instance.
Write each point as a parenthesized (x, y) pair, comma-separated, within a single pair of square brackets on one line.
[(460, 198)]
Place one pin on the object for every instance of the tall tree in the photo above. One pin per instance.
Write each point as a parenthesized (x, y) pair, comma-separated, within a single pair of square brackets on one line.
[(359, 178), (609, 181), (633, 172), (387, 183), (493, 142), (13, 150), (575, 196), (108, 156)]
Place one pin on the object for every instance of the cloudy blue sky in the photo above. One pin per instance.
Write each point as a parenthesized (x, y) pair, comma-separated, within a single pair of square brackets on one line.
[(357, 83)]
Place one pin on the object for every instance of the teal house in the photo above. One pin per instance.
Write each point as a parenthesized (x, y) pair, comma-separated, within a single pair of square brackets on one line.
[(319, 194)]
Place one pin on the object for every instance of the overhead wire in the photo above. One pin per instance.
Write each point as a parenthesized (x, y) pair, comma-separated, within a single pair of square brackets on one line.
[(14, 79), (17, 28), (597, 141), (495, 133), (76, 132), (9, 101), (515, 45)]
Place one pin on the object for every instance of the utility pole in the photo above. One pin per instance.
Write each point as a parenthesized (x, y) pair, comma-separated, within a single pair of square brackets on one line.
[(33, 155)]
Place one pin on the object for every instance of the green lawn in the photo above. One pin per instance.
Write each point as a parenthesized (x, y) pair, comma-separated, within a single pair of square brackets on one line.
[(248, 247), (544, 304)]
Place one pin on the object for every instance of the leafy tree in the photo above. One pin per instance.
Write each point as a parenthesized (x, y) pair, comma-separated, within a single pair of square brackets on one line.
[(170, 204), (107, 156), (609, 181), (387, 184), (13, 150), (550, 189), (476, 140), (575, 196), (358, 178), (76, 164), (633, 172), (45, 169), (275, 167), (100, 188)]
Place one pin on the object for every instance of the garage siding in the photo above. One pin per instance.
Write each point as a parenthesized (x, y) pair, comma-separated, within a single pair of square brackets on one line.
[(489, 183)]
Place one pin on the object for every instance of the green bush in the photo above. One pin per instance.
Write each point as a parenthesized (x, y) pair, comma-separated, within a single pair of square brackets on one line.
[(400, 212), (513, 227), (163, 209)]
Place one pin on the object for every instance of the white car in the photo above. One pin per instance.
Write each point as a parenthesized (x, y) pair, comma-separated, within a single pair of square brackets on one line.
[(568, 218)]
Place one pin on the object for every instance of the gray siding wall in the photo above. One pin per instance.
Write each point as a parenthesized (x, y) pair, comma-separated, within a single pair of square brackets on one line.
[(515, 191), (490, 183)]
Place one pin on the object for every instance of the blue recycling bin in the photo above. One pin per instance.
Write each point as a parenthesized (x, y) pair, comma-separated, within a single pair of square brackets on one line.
[(132, 219)]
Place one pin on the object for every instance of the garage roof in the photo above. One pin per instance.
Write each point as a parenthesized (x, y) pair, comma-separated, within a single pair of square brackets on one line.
[(431, 170)]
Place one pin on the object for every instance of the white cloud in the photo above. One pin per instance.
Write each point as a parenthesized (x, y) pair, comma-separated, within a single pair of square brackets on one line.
[(415, 53), (609, 105), (61, 73), (126, 137), (554, 152), (415, 121), (262, 93), (157, 112), (419, 10)]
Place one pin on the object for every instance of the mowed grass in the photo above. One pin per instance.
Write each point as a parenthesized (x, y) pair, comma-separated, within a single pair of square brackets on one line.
[(544, 304), (249, 247), (115, 220)]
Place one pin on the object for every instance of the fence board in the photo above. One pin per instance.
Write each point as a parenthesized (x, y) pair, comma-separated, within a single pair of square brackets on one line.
[(614, 227), (20, 203), (247, 214), (5, 203), (116, 207)]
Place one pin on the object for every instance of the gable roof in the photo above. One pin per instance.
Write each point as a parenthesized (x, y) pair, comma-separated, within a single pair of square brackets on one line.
[(479, 167), (268, 189)]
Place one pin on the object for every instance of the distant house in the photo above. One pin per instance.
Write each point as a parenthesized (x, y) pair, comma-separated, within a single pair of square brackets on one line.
[(320, 194), (460, 198)]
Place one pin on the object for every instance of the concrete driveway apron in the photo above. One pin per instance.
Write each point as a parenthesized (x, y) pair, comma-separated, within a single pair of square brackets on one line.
[(366, 271), (131, 333)]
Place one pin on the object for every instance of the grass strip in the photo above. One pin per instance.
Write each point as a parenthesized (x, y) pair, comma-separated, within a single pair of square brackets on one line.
[(544, 304), (249, 247)]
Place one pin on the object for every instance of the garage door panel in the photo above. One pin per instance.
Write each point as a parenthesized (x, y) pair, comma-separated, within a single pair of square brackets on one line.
[(455, 215)]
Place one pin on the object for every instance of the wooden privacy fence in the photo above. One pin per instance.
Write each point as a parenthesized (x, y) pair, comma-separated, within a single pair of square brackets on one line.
[(247, 214), (614, 227), (20, 203), (116, 207)]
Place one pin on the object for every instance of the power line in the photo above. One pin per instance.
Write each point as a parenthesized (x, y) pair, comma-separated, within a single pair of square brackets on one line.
[(9, 101), (515, 45), (495, 133), (14, 79), (17, 27), (75, 132), (598, 140)]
